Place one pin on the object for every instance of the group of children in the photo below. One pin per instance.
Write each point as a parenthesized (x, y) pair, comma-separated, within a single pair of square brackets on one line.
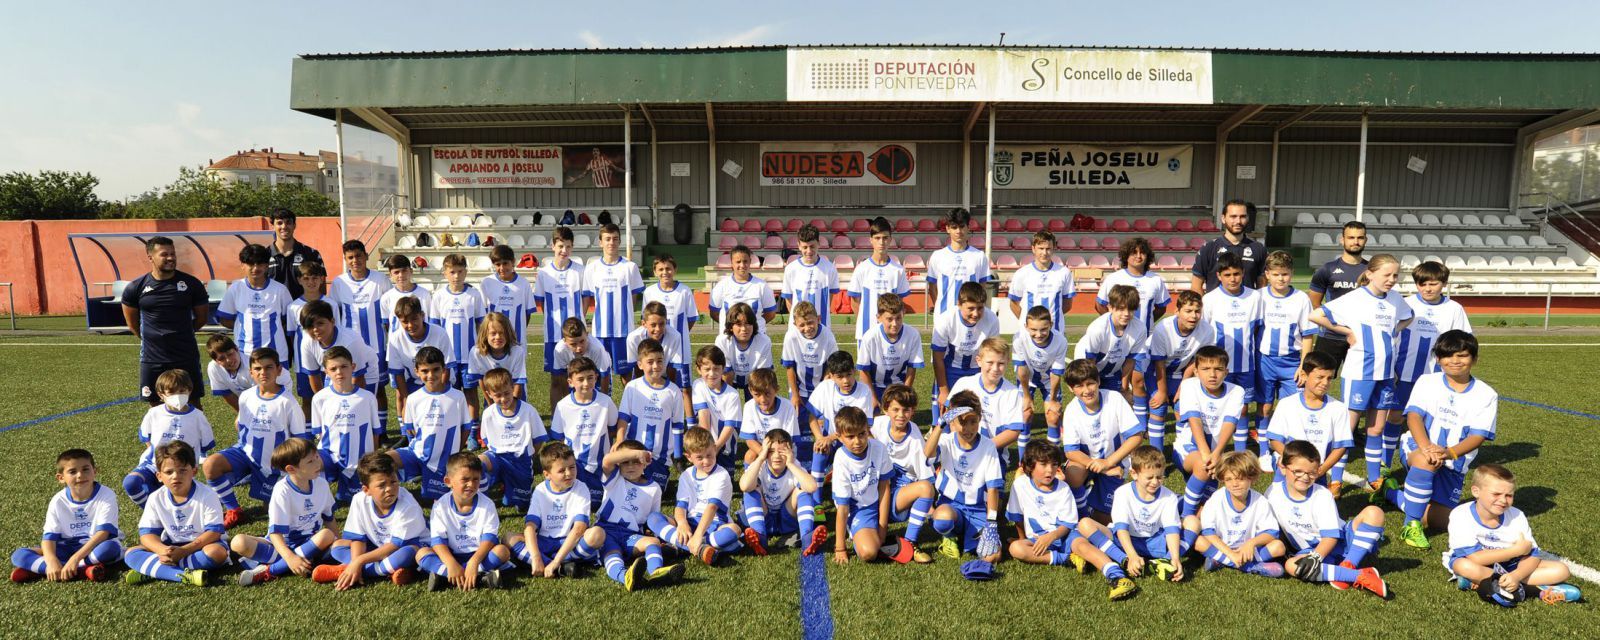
[(843, 445)]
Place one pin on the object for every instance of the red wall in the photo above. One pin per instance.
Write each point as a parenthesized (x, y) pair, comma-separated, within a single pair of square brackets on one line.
[(36, 258)]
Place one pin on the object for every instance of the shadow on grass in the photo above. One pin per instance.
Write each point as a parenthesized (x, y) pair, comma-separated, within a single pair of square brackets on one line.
[(1508, 453), (1533, 500)]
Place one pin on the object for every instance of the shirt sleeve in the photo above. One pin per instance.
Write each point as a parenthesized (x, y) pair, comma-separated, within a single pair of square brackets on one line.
[(1321, 280), (768, 301), (228, 308), (149, 521)]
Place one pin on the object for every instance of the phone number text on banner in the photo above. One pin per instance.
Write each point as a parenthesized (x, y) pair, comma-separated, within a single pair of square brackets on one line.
[(1076, 166), (496, 166)]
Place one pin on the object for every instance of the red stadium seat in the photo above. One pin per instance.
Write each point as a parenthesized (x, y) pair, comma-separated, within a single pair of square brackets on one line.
[(839, 225), (863, 243), (727, 242), (1184, 225), (1001, 243), (1075, 261), (1186, 262), (791, 258), (860, 225), (1035, 225), (1055, 260), (976, 225), (1006, 262), (1067, 243), (772, 243), (824, 242), (914, 262), (1119, 225), (977, 241), (843, 262), (774, 226), (904, 225), (724, 263), (1012, 225), (1110, 244), (1167, 263), (753, 242), (820, 224), (1057, 225), (751, 226), (1157, 244), (1206, 226), (1164, 225), (1099, 262), (794, 225), (1177, 244), (907, 242), (729, 225), (1143, 225), (1101, 225)]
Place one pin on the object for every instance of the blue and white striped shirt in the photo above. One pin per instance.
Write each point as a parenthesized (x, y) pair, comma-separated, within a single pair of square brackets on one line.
[(949, 269), (613, 287), (814, 283), (1235, 320)]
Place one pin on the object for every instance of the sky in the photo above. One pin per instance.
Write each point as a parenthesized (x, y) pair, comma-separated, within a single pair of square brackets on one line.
[(132, 91)]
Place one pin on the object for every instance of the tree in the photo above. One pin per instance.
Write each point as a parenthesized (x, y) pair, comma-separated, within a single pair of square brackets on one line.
[(50, 195), (195, 194)]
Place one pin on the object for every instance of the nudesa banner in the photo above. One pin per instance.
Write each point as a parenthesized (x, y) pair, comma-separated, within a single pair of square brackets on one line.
[(841, 164)]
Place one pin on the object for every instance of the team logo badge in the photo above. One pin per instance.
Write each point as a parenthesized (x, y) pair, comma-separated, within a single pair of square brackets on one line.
[(893, 164), (183, 286), (1004, 170)]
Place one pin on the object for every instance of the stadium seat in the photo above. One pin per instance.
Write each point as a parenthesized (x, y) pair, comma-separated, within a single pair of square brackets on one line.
[(976, 225), (505, 221), (1473, 240), (1035, 225), (860, 225), (1389, 220), (1167, 262), (1521, 262), (538, 241), (727, 243), (1410, 220), (1322, 240), (1477, 262), (772, 261), (1067, 243), (1452, 240), (839, 225), (904, 225), (772, 243), (1455, 262), (1543, 262), (927, 224), (754, 242), (773, 226), (1431, 220), (1101, 225), (1012, 225), (1110, 244), (1387, 240), (909, 243), (914, 262), (444, 222), (1143, 225), (636, 220), (792, 257), (1179, 244), (1431, 241), (1305, 219), (1164, 226), (977, 240), (1057, 225), (1187, 261), (1433, 257), (1345, 218), (1409, 262), (751, 226), (1564, 262), (1450, 220), (1409, 241), (863, 242), (824, 242), (1000, 243), (1327, 219), (1470, 220), (582, 241), (1006, 261), (1537, 242), (843, 262), (1055, 260), (1120, 226), (724, 263), (1075, 262), (1099, 262), (1158, 244), (794, 225), (1516, 241), (1185, 225), (527, 221), (1494, 240), (517, 241), (1499, 262), (1207, 226)]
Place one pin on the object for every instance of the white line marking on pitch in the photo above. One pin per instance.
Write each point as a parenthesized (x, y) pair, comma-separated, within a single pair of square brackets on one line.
[(1579, 570)]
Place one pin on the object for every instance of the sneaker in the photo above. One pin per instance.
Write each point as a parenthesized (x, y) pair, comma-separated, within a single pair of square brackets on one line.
[(669, 574), (231, 518), (1371, 582), (403, 576), (1078, 562), (325, 573), (257, 575), (195, 577), (1161, 568), (1122, 589), (1413, 535), (1463, 583), (905, 552), (949, 548), (20, 575), (708, 554), (1264, 462), (819, 537), (1559, 593), (634, 577), (921, 557), (1342, 586), (1336, 488), (128, 577), (96, 573), (1265, 569), (753, 540), (489, 579), (436, 582), (1210, 565)]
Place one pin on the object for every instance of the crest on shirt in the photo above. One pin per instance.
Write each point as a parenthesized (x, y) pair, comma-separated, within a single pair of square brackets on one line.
[(310, 504), (183, 286), (80, 513)]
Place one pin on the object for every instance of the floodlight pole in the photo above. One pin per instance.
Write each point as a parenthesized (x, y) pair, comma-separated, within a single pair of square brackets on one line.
[(988, 191), (627, 178), (1361, 169), (338, 128)]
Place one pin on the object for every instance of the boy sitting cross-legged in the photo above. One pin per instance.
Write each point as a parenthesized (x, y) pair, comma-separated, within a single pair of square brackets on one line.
[(1048, 527), (80, 527), (969, 477), (556, 533), (777, 496), (464, 531), (1492, 548), (1326, 548), (630, 500), (299, 517), (382, 532), (1237, 529), (1144, 518), (700, 524), (180, 533)]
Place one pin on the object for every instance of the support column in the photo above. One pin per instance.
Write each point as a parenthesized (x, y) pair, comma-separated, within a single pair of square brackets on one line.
[(1361, 170)]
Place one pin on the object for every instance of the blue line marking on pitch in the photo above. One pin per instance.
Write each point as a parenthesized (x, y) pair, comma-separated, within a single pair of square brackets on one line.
[(68, 414), (816, 615), (1556, 409)]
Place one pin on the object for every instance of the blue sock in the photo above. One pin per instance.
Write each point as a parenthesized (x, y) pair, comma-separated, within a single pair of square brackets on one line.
[(1335, 573), (1113, 572), (1185, 543), (943, 526), (583, 551), (806, 513), (224, 488), (1192, 495), (1109, 546), (665, 530), (919, 515), (29, 560), (1060, 557), (1052, 432), (615, 568), (1263, 443), (755, 515), (1263, 555), (148, 564), (432, 564), (819, 472), (1418, 493), (1141, 412), (491, 562), (263, 553), (137, 486), (1365, 542), (1241, 433), (402, 558), (198, 560), (1156, 430), (1374, 453), (725, 539), (653, 559), (383, 422), (1336, 473), (1080, 495), (1215, 555), (1391, 440), (105, 552), (307, 550)]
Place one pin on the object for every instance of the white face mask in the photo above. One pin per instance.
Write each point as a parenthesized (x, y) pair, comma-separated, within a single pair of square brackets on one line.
[(176, 401)]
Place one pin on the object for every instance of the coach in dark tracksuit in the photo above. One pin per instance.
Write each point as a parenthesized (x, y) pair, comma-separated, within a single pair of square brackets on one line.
[(286, 253), (1336, 278), (165, 308), (1235, 215)]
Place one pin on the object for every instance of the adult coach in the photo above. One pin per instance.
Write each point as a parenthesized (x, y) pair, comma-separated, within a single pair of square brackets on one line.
[(1338, 277), (1235, 215), (164, 308), (287, 254)]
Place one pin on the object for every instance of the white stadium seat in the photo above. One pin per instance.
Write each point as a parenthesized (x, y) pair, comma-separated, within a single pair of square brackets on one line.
[(1455, 262), (1516, 241), (1433, 258), (1430, 240), (525, 220), (1409, 240), (1521, 262), (1477, 262), (463, 221), (1388, 240), (1473, 240), (1389, 220), (505, 221), (582, 241), (1327, 219), (1450, 220), (1409, 262), (1452, 240), (402, 220), (1537, 242), (1499, 262), (422, 221), (1471, 220), (444, 222), (1305, 219), (1410, 220), (1543, 262), (1430, 220), (1564, 262), (1322, 240), (1494, 240), (1346, 217)]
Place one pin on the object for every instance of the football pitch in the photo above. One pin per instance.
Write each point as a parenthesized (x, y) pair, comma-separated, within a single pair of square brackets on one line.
[(1547, 434)]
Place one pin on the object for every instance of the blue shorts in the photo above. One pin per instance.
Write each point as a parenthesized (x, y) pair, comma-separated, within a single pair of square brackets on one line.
[(1447, 484), (1062, 544), (1102, 488), (617, 348), (1402, 393), (245, 470), (550, 355), (1362, 395), (430, 479), (620, 537), (458, 374), (863, 518), (970, 521), (343, 480), (779, 521), (302, 385), (1245, 380), (1275, 377), (548, 547), (1111, 382), (514, 472), (1037, 384), (1152, 547), (657, 471)]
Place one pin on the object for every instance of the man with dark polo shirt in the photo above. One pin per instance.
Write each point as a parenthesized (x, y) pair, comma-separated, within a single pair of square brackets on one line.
[(164, 308), (1338, 277), (1235, 215), (286, 253)]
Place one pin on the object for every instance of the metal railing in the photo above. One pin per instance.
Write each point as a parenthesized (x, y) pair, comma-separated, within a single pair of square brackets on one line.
[(1559, 209), (382, 219)]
